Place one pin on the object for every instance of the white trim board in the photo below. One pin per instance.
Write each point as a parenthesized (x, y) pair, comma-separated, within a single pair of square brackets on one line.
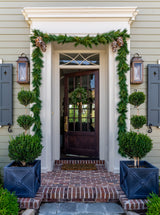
[(116, 13)]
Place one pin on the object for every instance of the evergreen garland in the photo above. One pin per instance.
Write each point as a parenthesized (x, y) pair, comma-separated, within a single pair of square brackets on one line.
[(86, 41)]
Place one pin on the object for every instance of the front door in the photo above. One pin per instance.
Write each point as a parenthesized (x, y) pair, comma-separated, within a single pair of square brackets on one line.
[(81, 120)]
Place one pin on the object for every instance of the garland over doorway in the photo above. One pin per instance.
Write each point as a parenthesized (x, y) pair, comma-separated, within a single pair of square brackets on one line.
[(118, 40)]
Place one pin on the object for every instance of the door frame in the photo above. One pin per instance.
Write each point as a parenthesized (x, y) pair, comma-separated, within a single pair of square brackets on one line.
[(103, 88)]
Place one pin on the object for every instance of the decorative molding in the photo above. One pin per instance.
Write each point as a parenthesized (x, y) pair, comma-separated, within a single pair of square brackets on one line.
[(51, 13)]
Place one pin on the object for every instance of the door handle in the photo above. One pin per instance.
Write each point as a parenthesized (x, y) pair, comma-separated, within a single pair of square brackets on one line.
[(66, 123)]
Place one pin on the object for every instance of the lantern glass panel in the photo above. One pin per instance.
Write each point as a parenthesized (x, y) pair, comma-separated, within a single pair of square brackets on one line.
[(22, 72), (137, 71)]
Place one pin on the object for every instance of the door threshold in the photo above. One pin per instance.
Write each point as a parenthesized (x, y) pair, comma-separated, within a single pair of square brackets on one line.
[(77, 157)]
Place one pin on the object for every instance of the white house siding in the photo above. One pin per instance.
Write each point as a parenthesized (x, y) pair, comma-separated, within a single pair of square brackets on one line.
[(14, 40)]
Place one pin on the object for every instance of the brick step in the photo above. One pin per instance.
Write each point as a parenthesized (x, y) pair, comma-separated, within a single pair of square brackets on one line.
[(80, 194), (81, 186), (102, 162), (70, 194)]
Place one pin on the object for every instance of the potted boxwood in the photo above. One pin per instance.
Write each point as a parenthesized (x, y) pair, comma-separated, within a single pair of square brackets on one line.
[(137, 178), (23, 175)]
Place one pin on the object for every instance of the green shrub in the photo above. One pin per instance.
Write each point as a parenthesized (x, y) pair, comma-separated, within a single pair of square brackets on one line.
[(26, 97), (138, 121), (133, 145), (137, 98), (1, 180), (24, 148), (153, 205), (8, 203), (25, 121)]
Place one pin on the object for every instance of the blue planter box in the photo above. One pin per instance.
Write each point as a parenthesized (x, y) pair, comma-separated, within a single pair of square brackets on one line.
[(24, 181), (138, 183)]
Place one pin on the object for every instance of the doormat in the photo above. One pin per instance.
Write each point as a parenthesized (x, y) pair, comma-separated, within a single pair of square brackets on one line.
[(78, 167)]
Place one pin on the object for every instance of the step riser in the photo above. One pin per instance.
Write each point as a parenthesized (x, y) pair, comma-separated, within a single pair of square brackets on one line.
[(80, 194)]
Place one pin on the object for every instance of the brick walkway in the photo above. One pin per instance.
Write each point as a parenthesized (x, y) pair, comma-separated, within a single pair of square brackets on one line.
[(81, 186)]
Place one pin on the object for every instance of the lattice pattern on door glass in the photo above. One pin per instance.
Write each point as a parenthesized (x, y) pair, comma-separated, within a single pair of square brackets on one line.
[(79, 59)]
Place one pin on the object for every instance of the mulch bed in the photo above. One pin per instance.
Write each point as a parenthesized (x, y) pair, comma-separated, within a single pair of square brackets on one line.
[(78, 167)]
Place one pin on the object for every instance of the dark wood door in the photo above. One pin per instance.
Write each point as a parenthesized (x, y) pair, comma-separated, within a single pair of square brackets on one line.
[(81, 125)]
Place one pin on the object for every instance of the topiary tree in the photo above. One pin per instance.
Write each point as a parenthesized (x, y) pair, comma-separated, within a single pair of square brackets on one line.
[(133, 144), (25, 148), (8, 203)]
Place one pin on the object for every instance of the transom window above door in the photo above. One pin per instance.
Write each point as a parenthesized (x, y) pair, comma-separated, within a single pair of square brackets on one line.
[(79, 59)]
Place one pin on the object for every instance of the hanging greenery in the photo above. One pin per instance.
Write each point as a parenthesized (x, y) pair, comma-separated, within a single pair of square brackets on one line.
[(118, 39)]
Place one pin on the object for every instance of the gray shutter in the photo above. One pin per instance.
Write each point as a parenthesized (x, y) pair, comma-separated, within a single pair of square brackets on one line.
[(6, 94), (154, 94)]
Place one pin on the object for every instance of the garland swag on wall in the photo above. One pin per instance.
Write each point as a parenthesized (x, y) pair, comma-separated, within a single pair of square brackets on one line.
[(117, 38)]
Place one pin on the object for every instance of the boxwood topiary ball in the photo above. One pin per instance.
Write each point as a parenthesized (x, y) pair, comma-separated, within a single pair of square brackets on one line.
[(25, 121), (137, 98), (133, 145), (25, 148), (26, 97), (138, 121)]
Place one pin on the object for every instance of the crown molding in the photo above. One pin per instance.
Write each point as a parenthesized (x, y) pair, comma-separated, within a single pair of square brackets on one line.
[(50, 13)]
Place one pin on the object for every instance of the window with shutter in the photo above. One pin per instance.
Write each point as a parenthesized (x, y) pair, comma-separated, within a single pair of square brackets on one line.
[(6, 94), (154, 94)]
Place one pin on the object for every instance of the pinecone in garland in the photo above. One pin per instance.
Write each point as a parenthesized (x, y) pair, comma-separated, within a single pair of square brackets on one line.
[(120, 41), (40, 43), (114, 46)]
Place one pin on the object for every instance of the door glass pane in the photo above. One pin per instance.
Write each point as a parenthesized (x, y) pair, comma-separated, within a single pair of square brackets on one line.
[(93, 113), (84, 124), (92, 81), (77, 82), (84, 111), (71, 84), (71, 113), (84, 120), (92, 125), (76, 113), (84, 81)]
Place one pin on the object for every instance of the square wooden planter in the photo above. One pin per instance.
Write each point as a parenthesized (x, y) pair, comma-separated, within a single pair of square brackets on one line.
[(138, 183), (24, 181)]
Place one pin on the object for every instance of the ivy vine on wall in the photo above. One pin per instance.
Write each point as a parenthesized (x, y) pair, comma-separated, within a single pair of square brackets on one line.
[(118, 39)]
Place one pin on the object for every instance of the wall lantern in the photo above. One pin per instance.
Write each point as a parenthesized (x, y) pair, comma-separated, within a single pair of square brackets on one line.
[(23, 69), (136, 69)]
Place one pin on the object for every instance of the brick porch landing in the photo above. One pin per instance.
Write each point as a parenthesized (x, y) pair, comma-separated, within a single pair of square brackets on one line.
[(81, 186)]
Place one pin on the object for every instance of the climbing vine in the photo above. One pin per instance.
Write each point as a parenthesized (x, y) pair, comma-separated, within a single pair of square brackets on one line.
[(118, 39)]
